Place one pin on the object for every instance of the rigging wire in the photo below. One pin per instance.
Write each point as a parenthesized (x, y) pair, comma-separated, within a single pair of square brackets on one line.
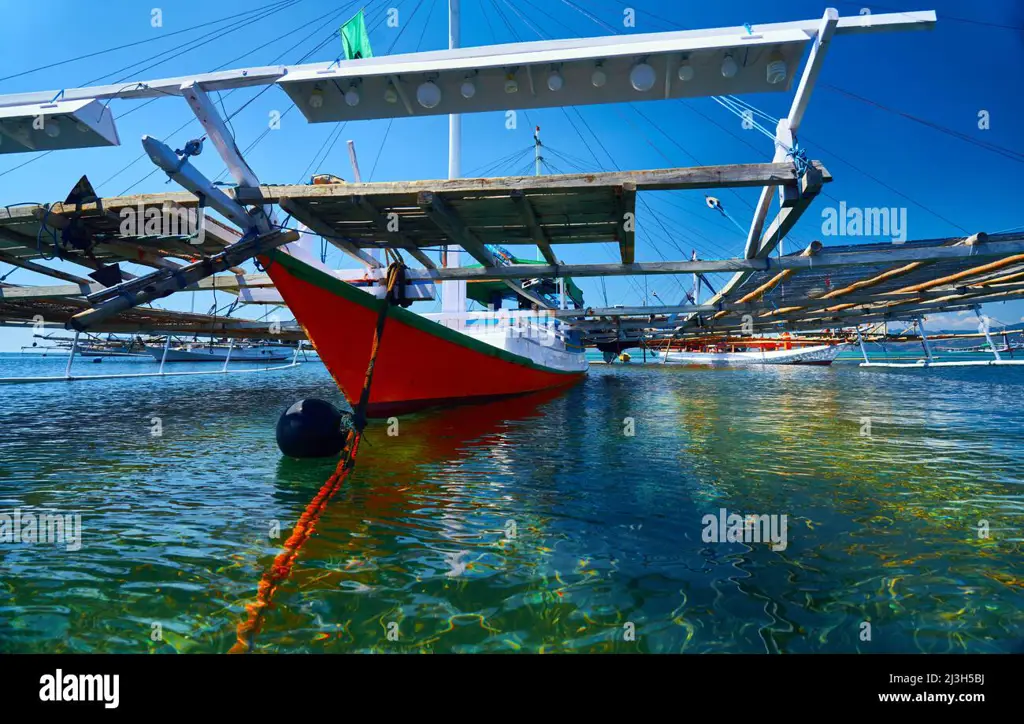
[(335, 133), (994, 148), (515, 34), (191, 120), (163, 36), (419, 44), (266, 131), (944, 16), (212, 36)]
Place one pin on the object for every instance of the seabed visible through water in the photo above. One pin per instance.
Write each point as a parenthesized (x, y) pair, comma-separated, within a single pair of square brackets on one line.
[(536, 524)]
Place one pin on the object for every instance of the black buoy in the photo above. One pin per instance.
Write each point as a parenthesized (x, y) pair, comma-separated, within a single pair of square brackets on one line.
[(312, 429)]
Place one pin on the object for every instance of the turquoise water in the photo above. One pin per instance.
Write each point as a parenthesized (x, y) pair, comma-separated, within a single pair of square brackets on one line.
[(531, 525)]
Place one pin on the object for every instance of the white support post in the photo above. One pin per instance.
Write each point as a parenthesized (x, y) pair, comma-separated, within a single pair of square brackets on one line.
[(453, 293), (536, 170), (785, 133), (219, 134), (696, 281), (924, 339), (983, 323), (71, 357), (295, 357), (163, 357), (227, 359), (863, 349)]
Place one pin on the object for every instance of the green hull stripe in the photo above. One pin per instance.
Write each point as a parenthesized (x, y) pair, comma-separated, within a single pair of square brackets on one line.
[(305, 272)]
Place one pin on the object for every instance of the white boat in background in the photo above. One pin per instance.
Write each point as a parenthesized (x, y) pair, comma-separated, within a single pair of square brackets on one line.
[(817, 355), (219, 353)]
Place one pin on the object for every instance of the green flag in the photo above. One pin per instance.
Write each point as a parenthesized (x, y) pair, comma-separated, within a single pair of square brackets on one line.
[(354, 39)]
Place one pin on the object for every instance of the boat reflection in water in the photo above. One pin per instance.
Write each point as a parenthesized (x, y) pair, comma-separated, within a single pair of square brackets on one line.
[(425, 510)]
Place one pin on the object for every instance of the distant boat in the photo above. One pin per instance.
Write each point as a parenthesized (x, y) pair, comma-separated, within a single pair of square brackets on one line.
[(822, 354), (219, 353)]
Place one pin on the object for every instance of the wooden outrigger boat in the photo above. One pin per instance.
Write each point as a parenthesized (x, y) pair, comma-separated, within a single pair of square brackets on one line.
[(421, 362), (783, 350), (221, 353), (822, 354), (425, 360)]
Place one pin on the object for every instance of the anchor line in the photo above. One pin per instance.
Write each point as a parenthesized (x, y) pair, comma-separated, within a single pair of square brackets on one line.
[(281, 569)]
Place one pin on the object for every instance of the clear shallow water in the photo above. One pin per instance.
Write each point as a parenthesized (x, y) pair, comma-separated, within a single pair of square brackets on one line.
[(607, 527)]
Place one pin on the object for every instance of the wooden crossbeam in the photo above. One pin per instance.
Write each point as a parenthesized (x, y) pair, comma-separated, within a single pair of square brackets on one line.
[(529, 217), (73, 257), (701, 177), (303, 214), (125, 248), (447, 220), (41, 269), (49, 292), (397, 238)]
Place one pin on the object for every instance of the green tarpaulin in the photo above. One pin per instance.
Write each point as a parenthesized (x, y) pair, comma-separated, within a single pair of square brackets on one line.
[(482, 291), (355, 40)]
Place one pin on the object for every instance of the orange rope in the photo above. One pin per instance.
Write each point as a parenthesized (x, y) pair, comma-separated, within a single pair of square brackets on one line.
[(281, 569)]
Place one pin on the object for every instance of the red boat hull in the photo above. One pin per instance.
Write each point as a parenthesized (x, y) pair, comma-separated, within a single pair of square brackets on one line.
[(419, 364)]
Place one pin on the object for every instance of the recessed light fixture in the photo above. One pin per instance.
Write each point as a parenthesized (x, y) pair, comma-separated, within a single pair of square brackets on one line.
[(316, 98), (729, 67), (468, 89), (428, 94), (642, 77), (685, 71), (598, 78), (555, 81), (776, 70), (352, 96)]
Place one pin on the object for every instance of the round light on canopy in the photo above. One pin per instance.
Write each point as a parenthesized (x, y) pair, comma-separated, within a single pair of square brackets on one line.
[(729, 67), (52, 128), (511, 84), (428, 94), (468, 89), (390, 94), (776, 70), (352, 97), (598, 77), (642, 77), (555, 81), (685, 71), (316, 98)]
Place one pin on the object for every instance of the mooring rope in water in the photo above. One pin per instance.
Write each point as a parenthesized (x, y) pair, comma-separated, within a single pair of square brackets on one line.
[(281, 569)]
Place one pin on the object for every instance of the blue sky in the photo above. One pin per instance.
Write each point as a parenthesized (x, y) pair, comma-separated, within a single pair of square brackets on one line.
[(970, 63)]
